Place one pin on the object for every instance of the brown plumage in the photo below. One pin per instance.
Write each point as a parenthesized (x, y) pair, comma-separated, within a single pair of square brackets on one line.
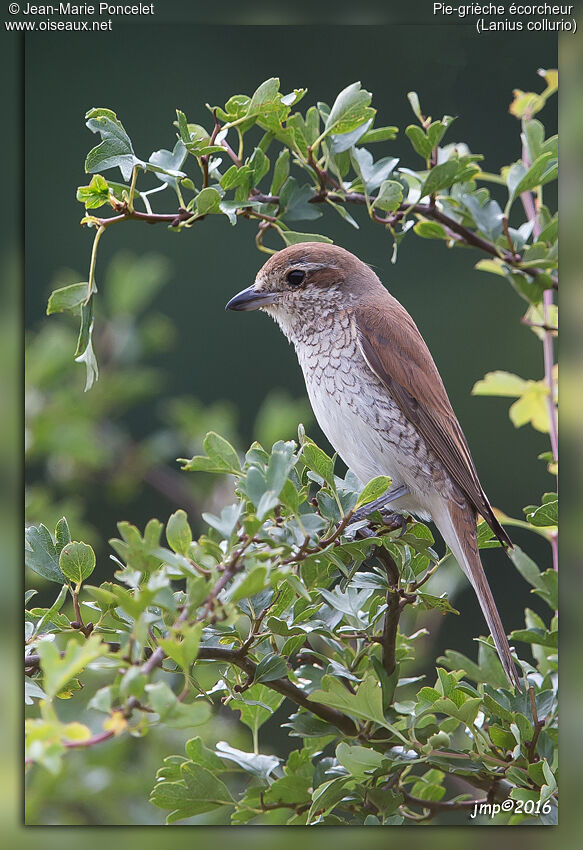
[(398, 355), (379, 398)]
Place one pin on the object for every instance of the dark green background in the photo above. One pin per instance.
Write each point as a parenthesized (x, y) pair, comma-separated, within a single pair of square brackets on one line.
[(147, 68)]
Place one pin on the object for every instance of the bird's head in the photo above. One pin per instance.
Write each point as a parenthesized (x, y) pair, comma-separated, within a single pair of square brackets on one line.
[(305, 281)]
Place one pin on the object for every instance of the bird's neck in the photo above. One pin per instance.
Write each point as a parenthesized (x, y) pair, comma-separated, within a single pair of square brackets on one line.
[(309, 322)]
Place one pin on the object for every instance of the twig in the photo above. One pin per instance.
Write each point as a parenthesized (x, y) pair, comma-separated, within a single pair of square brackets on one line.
[(435, 806), (538, 727), (282, 686), (320, 174), (151, 218), (231, 568), (89, 742), (508, 236), (389, 643)]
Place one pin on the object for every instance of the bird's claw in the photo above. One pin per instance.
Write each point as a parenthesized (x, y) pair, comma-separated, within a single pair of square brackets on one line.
[(394, 520), (380, 504)]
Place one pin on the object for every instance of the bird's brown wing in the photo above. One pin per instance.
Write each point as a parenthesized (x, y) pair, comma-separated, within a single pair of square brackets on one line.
[(399, 357)]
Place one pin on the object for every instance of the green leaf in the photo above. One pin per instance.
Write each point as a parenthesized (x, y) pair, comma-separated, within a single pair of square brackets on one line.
[(466, 712), (525, 566), (32, 691), (68, 298), (343, 212), (359, 761), (550, 588), (133, 683), (57, 670), (51, 615), (254, 763), (41, 555), (258, 706), (326, 796), (84, 351), (487, 214), (197, 752), (295, 786), (344, 141), (77, 561), (439, 603), (436, 130), (366, 703), (440, 177), (207, 201), (319, 462), (413, 99), (431, 230), (389, 197), (539, 637), (457, 661), (178, 533), (235, 176), (295, 201), (500, 384), (545, 515), (166, 164), (204, 785), (270, 667), (198, 791), (176, 714), (259, 166), (267, 95), (115, 149), (96, 194), (373, 490), (350, 110), (379, 134), (227, 522), (292, 237), (87, 357), (280, 171), (182, 644), (541, 171), (492, 266), (532, 407), (221, 457), (373, 173), (138, 552), (248, 584), (419, 140), (544, 584), (533, 137), (62, 534)]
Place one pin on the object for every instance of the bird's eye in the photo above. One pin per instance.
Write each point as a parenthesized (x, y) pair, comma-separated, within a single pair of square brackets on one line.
[(295, 277)]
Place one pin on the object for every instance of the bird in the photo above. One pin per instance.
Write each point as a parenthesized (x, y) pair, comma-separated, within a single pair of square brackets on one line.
[(379, 399)]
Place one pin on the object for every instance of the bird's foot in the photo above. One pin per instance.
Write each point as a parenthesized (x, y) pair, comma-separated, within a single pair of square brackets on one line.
[(393, 520), (392, 494)]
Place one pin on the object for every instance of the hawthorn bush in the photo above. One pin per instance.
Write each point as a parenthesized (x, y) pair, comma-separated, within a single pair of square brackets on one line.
[(284, 603)]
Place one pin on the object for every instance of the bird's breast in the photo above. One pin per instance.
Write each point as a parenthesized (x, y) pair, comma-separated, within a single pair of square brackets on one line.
[(356, 411)]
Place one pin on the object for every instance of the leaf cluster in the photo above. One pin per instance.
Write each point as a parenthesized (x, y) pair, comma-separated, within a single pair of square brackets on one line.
[(281, 606), (263, 159)]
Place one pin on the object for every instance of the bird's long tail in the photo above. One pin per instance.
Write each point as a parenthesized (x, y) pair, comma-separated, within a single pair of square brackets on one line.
[(458, 528)]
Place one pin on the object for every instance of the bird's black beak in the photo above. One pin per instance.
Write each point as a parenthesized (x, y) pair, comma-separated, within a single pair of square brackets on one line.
[(251, 299)]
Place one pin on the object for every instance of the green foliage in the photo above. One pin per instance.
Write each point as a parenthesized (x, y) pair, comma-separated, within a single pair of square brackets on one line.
[(223, 171), (268, 610)]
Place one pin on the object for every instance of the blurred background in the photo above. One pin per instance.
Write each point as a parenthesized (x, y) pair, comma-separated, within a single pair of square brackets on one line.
[(174, 365)]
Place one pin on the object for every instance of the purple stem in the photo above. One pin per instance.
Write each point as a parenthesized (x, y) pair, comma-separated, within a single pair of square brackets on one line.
[(548, 354)]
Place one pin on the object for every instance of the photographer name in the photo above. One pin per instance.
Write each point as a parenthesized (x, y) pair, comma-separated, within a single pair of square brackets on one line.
[(87, 9)]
